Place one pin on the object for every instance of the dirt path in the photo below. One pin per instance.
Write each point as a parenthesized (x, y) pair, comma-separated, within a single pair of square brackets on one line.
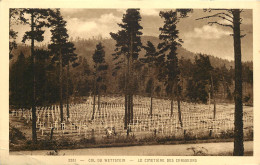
[(153, 150)]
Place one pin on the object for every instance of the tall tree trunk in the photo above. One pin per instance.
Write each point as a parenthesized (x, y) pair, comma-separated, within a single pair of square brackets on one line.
[(209, 100), (182, 84), (224, 87), (151, 106), (179, 110), (132, 110), (126, 111), (126, 92), (215, 107), (172, 94), (98, 101), (131, 81), (171, 105), (179, 106), (129, 109), (213, 96), (34, 134), (67, 86), (238, 132), (94, 106), (61, 99), (45, 85), (151, 95), (94, 100)]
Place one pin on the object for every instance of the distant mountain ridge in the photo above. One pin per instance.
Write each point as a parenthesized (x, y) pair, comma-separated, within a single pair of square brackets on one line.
[(86, 48)]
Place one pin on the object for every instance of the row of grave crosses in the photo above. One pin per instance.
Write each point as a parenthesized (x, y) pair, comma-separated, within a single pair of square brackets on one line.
[(113, 116)]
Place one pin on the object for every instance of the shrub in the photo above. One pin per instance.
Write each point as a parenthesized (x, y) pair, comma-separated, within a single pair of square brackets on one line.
[(147, 139), (127, 139), (227, 134), (41, 144), (166, 139), (250, 134), (65, 142), (87, 141), (199, 151), (53, 153), (15, 135), (189, 136)]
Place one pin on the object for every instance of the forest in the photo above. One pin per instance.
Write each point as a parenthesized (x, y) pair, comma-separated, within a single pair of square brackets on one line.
[(81, 77), (66, 72)]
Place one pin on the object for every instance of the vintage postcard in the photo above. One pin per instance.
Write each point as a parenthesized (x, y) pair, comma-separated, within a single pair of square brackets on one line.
[(129, 82)]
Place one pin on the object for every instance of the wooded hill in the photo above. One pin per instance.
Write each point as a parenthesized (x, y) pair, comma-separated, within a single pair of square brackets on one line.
[(81, 81), (86, 47)]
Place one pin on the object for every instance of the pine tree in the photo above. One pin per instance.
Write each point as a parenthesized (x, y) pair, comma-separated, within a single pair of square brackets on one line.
[(128, 43), (200, 84), (62, 50), (238, 132), (37, 21), (168, 60), (151, 60), (81, 77), (232, 16), (69, 57), (42, 62), (99, 74)]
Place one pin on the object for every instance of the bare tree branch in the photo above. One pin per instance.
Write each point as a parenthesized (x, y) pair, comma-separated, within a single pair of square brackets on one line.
[(227, 15), (223, 16), (218, 15), (225, 19), (243, 35), (218, 9), (226, 25), (240, 20), (227, 10)]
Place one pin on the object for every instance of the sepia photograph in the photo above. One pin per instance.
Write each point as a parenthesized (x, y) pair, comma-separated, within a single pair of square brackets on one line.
[(122, 80), (112, 82)]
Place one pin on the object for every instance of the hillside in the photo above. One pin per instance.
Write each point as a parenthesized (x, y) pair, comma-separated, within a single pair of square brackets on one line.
[(86, 48)]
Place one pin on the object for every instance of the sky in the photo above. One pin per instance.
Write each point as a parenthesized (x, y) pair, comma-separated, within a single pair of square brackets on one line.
[(198, 35)]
